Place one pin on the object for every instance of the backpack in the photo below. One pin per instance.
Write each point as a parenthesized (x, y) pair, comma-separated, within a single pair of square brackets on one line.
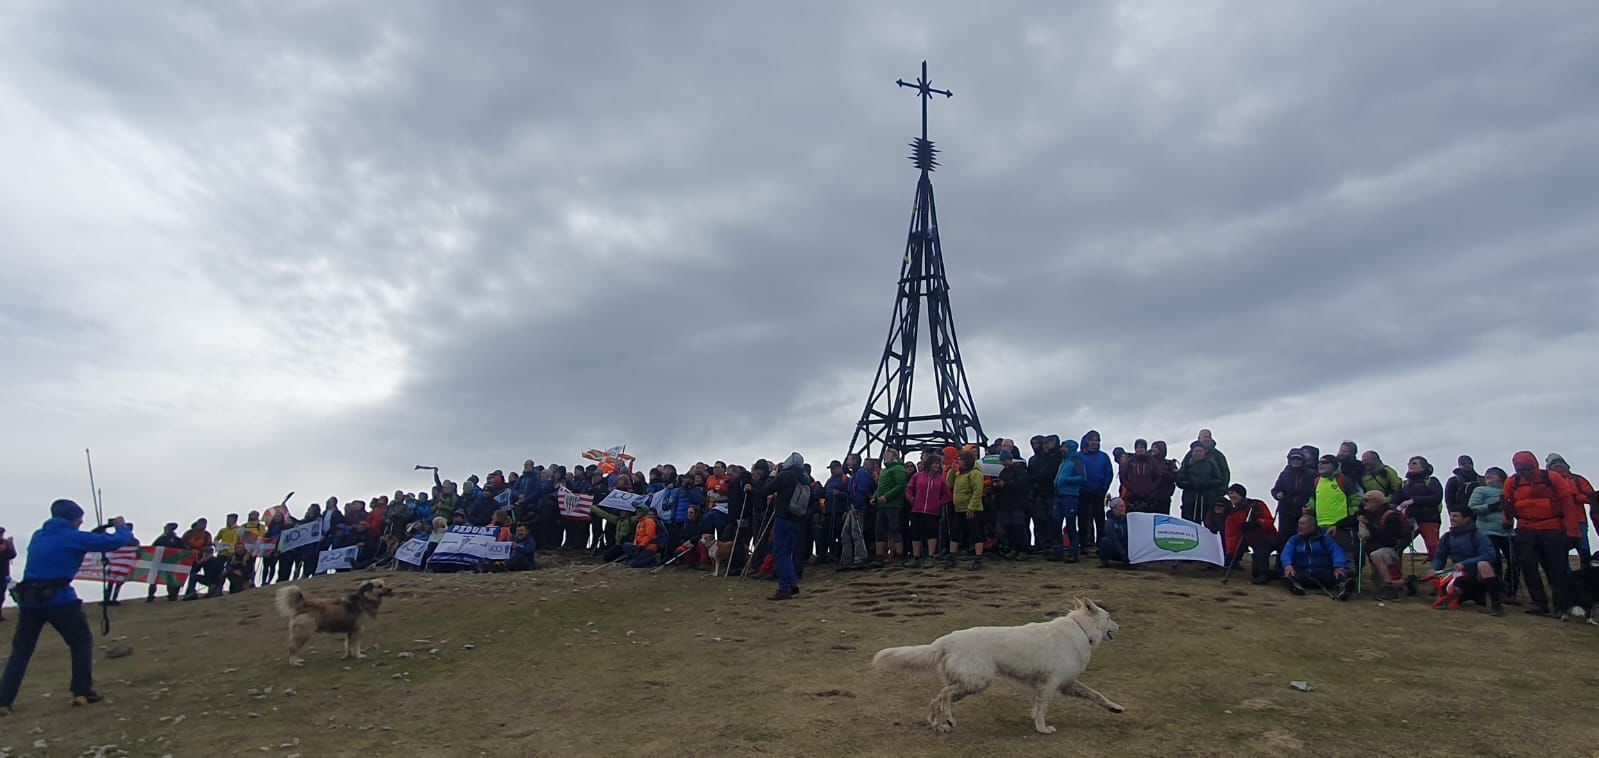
[(799, 504)]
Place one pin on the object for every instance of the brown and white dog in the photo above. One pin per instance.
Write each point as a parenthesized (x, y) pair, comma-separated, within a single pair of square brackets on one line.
[(347, 616), (721, 553)]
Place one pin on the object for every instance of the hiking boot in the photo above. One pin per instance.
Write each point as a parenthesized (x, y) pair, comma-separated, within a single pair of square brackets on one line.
[(88, 698), (1536, 610), (794, 589), (1255, 579), (1389, 593), (1345, 592), (1496, 609), (1410, 586), (949, 563), (1296, 589), (977, 564), (5, 710), (1512, 600), (1104, 564), (780, 595)]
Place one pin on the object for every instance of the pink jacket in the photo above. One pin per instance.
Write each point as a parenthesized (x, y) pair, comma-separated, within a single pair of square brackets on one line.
[(928, 494)]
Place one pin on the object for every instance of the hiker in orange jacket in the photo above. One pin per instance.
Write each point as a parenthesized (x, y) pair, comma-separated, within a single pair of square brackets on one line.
[(642, 552), (1543, 505), (1585, 499)]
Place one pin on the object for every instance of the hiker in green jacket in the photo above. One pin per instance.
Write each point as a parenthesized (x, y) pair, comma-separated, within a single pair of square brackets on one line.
[(890, 502), (1379, 475), (624, 530)]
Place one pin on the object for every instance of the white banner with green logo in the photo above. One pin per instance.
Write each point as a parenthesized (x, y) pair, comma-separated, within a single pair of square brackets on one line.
[(1156, 537)]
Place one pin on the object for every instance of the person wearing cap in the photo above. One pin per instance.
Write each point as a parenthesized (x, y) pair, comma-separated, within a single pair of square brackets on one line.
[(1294, 488), (1543, 509), (1586, 500), (1487, 506), (169, 538), (45, 596), (1384, 532), (1335, 503), (1474, 556)]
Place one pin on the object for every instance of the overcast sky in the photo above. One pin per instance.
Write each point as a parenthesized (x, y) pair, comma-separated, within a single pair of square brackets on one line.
[(258, 247)]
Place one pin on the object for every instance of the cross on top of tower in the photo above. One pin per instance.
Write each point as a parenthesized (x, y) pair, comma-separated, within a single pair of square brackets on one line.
[(923, 87)]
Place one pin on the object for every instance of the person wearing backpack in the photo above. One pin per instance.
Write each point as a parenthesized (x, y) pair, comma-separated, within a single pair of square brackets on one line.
[(1420, 499), (1385, 533), (1376, 475), (1543, 508), (790, 491), (1487, 505), (1585, 499), (1464, 481), (1334, 505)]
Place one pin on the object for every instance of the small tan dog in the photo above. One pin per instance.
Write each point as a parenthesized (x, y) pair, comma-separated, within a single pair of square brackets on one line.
[(721, 552), (347, 616), (1048, 655)]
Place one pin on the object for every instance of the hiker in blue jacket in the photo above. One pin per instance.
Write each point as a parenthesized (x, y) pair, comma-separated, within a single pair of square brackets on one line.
[(1096, 486), (45, 596), (1312, 559), (1474, 553), (1069, 479)]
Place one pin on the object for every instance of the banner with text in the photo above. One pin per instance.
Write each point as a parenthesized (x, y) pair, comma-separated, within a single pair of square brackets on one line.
[(465, 544), (1158, 537), (624, 501), (339, 558), (412, 551), (304, 534)]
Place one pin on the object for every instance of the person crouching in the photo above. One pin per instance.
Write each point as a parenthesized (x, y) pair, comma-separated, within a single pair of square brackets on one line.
[(1312, 559)]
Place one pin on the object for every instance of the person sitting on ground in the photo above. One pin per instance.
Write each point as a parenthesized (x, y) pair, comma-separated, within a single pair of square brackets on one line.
[(1313, 559), (641, 552), (237, 573), (207, 572), (1385, 532), (1487, 505), (1113, 540), (522, 550), (625, 524), (1473, 555), (1249, 524), (689, 551)]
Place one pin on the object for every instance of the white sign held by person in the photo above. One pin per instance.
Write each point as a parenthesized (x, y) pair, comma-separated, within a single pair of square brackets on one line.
[(340, 558), (412, 551), (1157, 537), (304, 534), (500, 551), (623, 501), (465, 544)]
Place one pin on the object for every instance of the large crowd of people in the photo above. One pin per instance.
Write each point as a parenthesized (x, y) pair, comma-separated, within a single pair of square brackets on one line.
[(1328, 520)]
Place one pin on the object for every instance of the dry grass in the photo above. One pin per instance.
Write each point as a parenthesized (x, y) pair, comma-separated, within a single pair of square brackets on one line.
[(710, 667)]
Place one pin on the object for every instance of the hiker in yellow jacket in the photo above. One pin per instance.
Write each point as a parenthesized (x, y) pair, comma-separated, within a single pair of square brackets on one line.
[(967, 486)]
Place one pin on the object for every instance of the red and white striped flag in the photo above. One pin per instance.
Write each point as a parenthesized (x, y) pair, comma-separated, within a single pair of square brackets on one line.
[(94, 566)]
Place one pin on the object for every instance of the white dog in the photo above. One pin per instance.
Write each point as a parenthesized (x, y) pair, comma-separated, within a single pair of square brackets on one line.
[(1049, 655)]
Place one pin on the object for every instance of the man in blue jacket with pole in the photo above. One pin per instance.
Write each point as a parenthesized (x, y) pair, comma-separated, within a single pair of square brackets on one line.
[(45, 596)]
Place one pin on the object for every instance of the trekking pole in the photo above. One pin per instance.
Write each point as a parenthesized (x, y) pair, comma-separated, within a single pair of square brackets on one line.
[(105, 560), (682, 551), (758, 541), (603, 565), (1238, 553)]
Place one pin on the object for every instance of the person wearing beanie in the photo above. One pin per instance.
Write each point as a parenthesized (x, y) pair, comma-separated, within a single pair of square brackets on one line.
[(45, 596), (1249, 524), (1586, 500), (1543, 510), (1473, 555)]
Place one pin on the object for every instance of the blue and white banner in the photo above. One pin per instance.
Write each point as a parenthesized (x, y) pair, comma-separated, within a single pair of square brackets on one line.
[(500, 551), (412, 551), (1158, 537), (624, 501), (304, 534), (465, 544), (340, 558)]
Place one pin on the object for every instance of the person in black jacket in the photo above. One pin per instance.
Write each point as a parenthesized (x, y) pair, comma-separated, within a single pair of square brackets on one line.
[(1295, 486), (169, 538), (787, 526), (1384, 532), (1421, 499), (1457, 491), (1013, 497), (1040, 472)]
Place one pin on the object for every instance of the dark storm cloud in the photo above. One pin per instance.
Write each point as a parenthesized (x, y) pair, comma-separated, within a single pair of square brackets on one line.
[(408, 233)]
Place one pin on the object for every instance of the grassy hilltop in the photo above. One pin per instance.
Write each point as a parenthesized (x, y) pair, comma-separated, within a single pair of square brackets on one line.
[(564, 662)]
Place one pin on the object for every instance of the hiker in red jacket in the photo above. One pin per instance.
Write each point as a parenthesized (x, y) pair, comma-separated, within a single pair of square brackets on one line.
[(1585, 499), (1544, 507), (1250, 522)]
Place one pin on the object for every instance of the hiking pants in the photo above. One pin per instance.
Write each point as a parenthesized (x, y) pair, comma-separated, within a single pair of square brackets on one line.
[(1505, 566), (1065, 512), (785, 535), (1546, 549), (1090, 516), (1013, 524), (852, 546), (70, 623), (1046, 527)]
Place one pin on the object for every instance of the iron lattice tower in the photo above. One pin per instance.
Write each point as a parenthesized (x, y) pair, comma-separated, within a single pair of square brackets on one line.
[(888, 418)]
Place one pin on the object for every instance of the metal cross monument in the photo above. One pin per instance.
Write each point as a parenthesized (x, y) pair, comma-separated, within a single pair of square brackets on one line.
[(888, 419)]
